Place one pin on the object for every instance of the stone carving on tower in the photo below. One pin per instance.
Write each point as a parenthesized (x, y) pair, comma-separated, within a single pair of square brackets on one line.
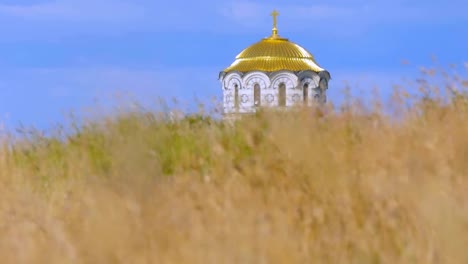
[(273, 72)]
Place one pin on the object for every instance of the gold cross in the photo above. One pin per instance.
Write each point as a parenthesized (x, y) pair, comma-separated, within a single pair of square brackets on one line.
[(274, 14)]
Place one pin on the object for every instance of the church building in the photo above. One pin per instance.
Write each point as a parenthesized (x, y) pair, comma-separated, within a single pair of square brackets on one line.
[(273, 72)]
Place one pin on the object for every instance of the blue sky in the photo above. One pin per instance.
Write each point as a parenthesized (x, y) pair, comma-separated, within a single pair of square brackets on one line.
[(62, 55)]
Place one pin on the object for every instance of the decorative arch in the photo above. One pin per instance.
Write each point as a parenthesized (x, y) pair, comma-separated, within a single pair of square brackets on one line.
[(284, 86), (221, 76), (231, 80), (325, 75), (232, 83), (249, 96), (288, 78), (309, 82), (310, 77), (250, 79), (307, 85), (307, 73)]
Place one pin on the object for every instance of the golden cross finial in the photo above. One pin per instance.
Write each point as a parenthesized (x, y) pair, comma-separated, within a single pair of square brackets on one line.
[(275, 15)]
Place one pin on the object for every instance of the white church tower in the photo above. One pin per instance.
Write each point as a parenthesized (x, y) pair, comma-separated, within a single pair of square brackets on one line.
[(273, 72)]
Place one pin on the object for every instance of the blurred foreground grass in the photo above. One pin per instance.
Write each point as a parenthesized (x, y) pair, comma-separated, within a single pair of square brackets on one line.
[(348, 185)]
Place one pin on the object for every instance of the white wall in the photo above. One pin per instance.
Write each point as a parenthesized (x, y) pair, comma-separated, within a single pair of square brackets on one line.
[(269, 89)]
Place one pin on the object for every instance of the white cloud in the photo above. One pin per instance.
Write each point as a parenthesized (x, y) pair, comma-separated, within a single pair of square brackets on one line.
[(82, 17), (350, 19), (74, 10), (55, 19)]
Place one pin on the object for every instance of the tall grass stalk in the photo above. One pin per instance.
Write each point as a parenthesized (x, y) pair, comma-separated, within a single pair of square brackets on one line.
[(330, 185)]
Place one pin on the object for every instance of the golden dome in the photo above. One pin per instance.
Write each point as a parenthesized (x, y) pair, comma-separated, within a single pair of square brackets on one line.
[(273, 54)]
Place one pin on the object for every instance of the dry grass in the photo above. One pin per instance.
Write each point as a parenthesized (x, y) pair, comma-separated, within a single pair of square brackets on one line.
[(348, 186)]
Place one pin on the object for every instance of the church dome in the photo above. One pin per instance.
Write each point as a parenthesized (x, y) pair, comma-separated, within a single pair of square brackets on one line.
[(274, 54), (273, 72)]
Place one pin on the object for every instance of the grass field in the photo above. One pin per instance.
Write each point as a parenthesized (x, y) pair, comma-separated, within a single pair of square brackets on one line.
[(349, 184)]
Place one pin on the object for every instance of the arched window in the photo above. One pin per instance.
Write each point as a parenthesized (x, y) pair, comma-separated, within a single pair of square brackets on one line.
[(282, 94), (236, 96), (305, 93), (257, 94)]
